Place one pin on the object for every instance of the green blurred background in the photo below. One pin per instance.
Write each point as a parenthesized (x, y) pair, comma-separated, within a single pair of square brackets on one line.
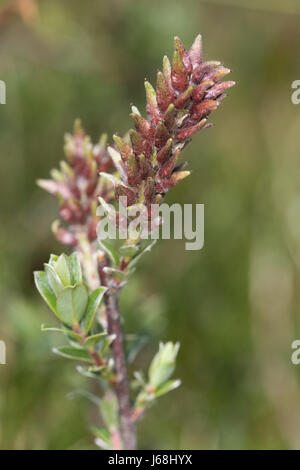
[(234, 305)]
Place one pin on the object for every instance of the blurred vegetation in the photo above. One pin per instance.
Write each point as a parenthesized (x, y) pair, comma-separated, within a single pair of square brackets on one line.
[(234, 305)]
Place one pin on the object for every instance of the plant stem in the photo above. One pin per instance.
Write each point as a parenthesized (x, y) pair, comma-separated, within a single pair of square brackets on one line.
[(127, 425)]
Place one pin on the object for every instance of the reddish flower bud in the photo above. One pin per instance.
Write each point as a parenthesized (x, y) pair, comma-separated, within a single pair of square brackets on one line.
[(161, 135), (183, 54), (218, 89), (124, 149), (165, 152), (195, 52), (203, 109), (163, 94), (199, 90), (184, 97), (188, 132), (143, 127), (152, 107), (179, 75)]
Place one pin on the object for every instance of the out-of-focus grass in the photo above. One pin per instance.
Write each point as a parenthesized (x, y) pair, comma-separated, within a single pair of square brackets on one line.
[(89, 60)]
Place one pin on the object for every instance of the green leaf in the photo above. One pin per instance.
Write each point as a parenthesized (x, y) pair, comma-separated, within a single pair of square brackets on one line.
[(167, 387), (110, 251), (61, 268), (117, 274), (61, 330), (106, 343), (90, 341), (42, 285), (53, 279), (73, 353), (93, 304), (75, 269), (71, 304)]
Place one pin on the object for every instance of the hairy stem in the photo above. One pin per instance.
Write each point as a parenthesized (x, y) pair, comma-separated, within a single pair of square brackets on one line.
[(128, 431)]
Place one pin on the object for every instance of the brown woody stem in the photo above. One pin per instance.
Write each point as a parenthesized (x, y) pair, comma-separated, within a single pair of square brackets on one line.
[(127, 425)]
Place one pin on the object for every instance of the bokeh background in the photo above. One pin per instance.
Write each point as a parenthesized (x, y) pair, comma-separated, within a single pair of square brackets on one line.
[(234, 305)]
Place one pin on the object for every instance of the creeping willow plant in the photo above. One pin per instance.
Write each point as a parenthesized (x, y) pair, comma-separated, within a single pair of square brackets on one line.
[(142, 167)]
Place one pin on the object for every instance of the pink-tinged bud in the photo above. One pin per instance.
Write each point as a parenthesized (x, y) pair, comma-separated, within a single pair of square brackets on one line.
[(184, 97), (218, 74), (139, 144), (143, 127), (195, 52), (132, 171), (55, 188), (183, 54), (167, 75), (161, 135), (145, 167), (63, 236), (199, 91), (203, 71), (167, 168), (170, 115), (203, 109), (218, 90), (165, 152), (124, 149), (66, 213), (186, 133), (152, 107), (149, 190), (179, 75), (78, 215), (124, 191), (163, 94)]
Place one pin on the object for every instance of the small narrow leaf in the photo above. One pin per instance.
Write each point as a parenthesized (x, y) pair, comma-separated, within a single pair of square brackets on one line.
[(110, 251), (74, 269), (53, 279), (91, 341), (167, 387), (61, 268), (61, 330), (73, 353), (93, 304), (42, 285)]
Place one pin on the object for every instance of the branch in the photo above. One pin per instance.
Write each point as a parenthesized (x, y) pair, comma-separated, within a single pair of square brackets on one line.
[(121, 386)]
